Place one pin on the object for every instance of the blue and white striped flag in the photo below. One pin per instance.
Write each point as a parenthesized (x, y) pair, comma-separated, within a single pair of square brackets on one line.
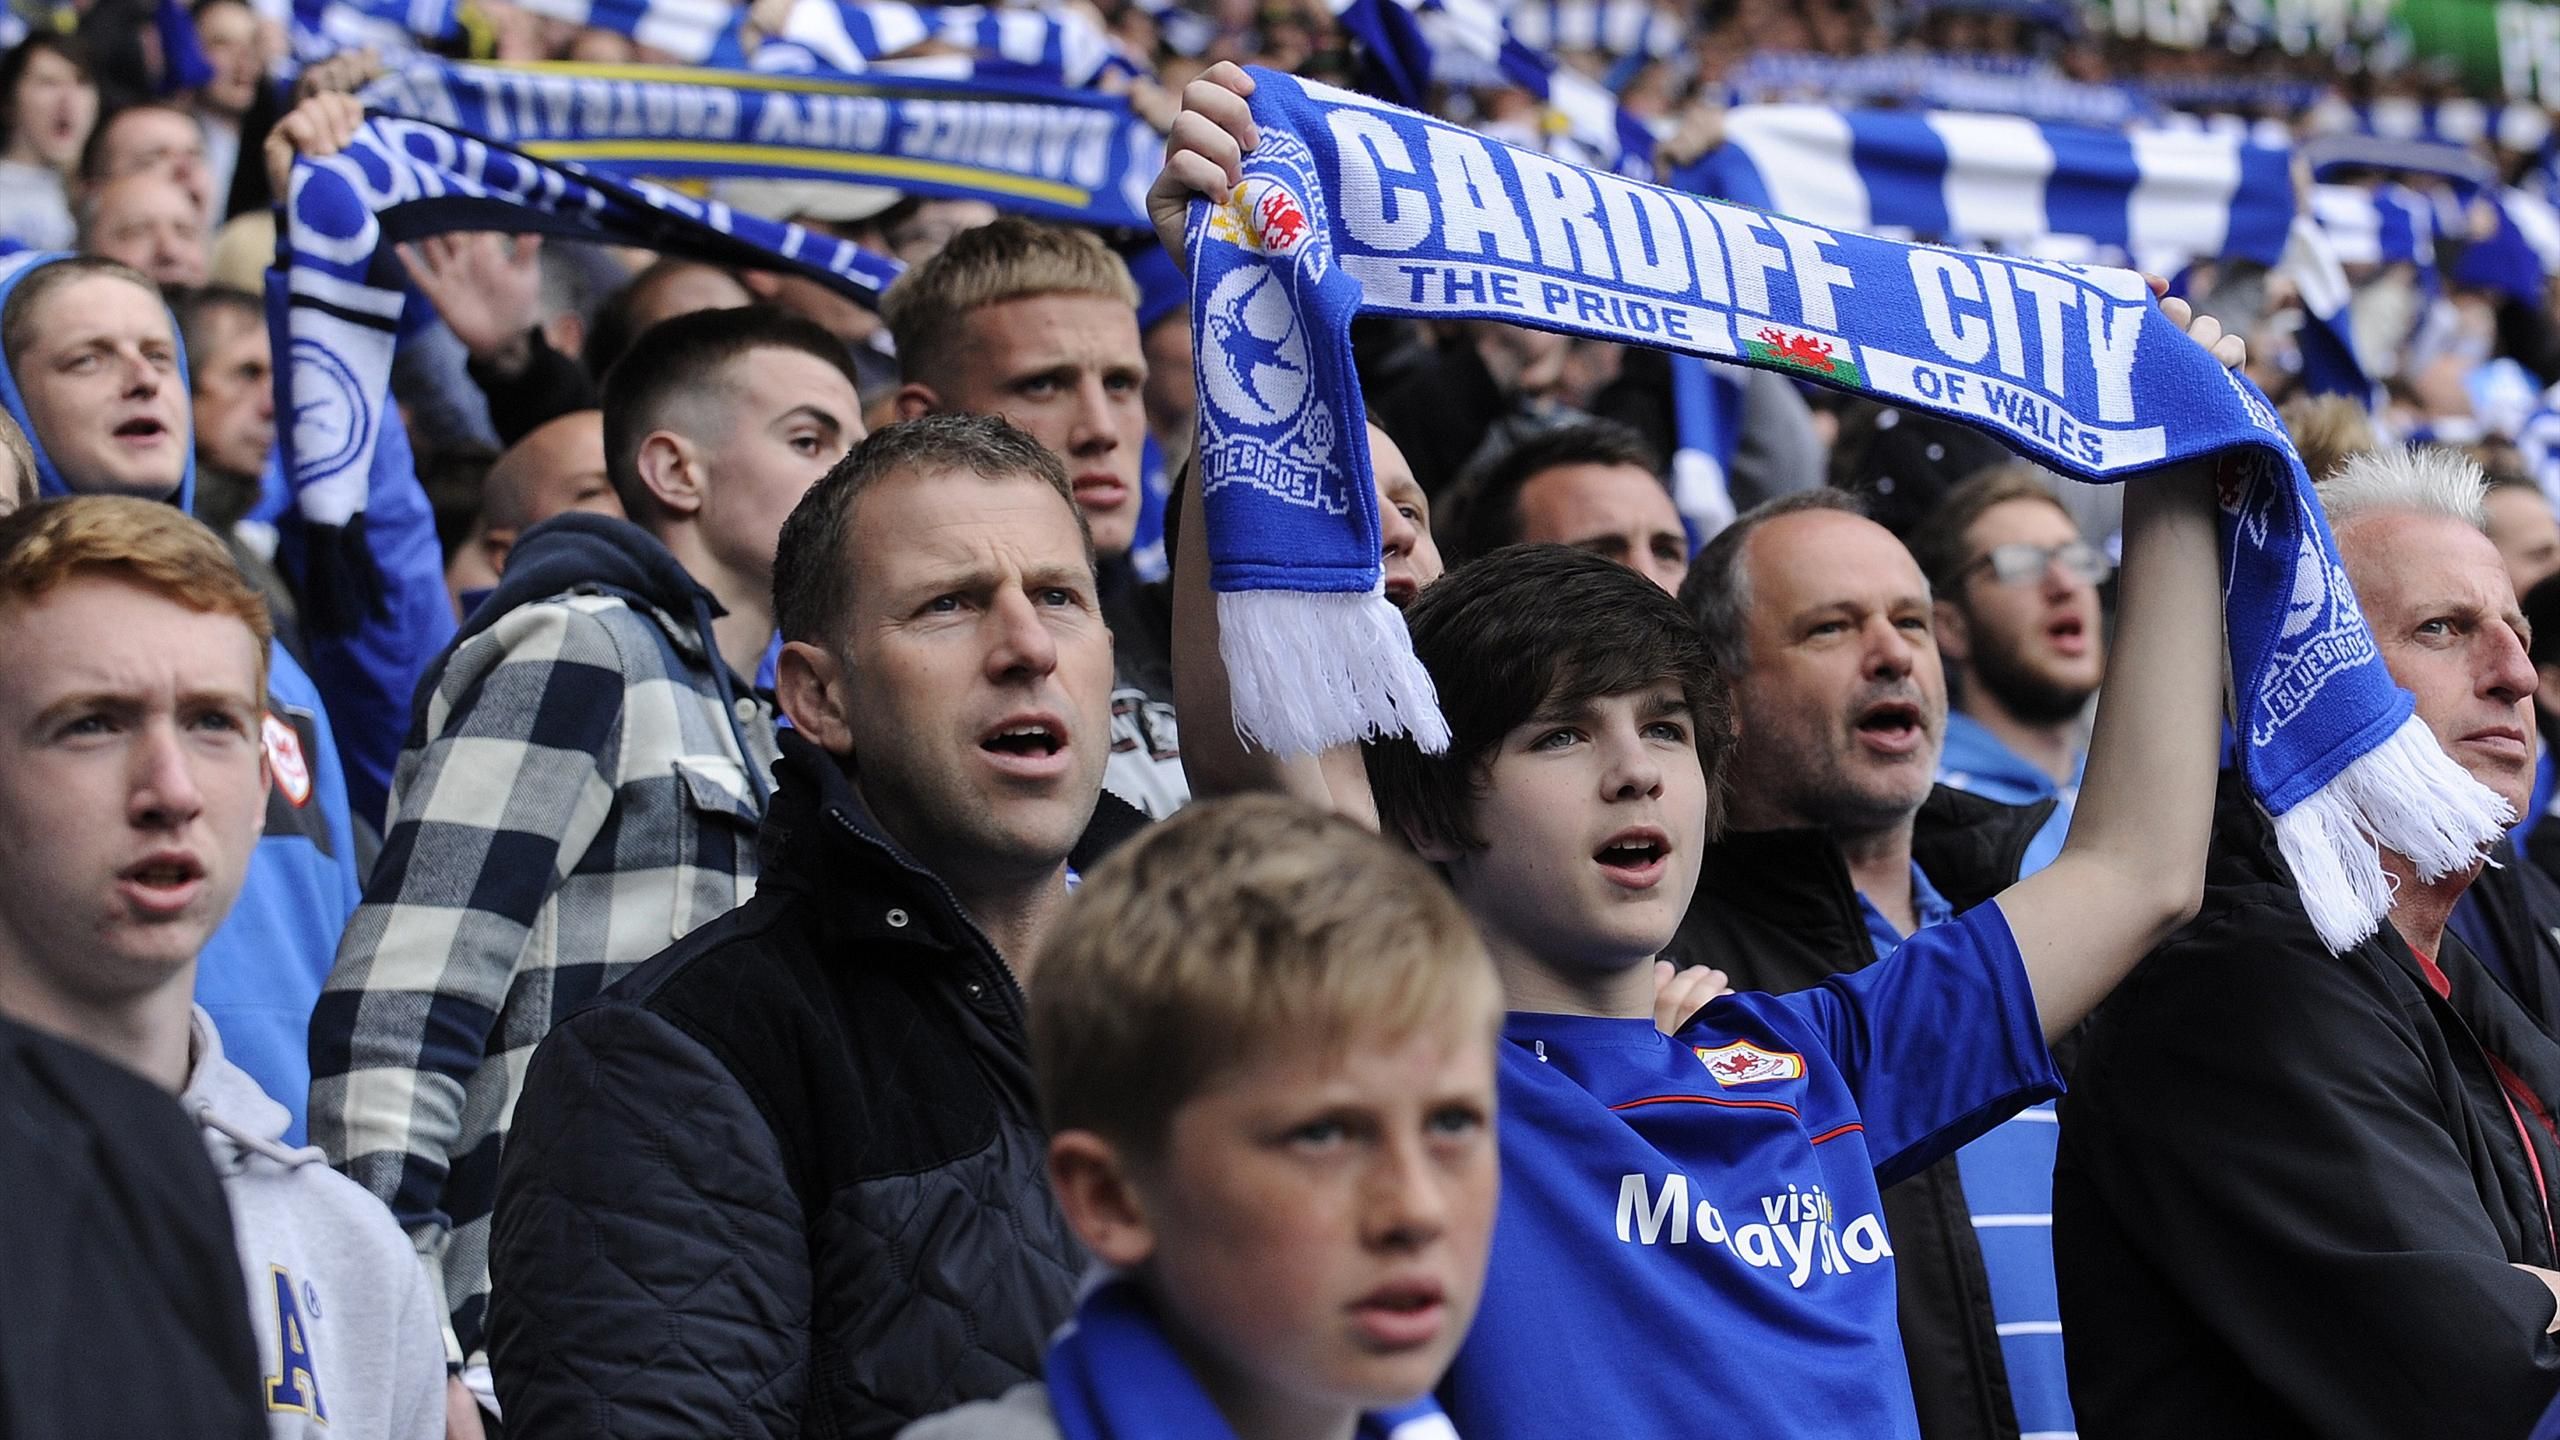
[(2157, 197), (1616, 28), (2379, 225)]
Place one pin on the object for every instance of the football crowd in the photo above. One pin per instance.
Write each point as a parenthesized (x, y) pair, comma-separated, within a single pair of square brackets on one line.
[(656, 815)]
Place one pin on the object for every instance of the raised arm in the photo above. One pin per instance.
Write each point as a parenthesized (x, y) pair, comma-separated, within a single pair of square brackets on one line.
[(2133, 869), (1203, 157)]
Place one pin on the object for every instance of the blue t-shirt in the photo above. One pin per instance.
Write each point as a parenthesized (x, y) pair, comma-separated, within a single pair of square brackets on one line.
[(1975, 762), (1692, 1233)]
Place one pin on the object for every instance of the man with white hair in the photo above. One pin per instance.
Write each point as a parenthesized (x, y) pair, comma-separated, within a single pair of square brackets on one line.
[(2305, 1194)]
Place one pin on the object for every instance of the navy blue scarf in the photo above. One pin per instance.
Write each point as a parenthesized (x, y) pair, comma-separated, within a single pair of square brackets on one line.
[(1112, 1375)]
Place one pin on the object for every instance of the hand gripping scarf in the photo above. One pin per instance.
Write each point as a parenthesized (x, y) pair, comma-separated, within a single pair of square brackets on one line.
[(1113, 1376), (1352, 205)]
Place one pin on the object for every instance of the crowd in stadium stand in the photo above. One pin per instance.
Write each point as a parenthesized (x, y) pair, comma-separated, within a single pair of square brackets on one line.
[(648, 787)]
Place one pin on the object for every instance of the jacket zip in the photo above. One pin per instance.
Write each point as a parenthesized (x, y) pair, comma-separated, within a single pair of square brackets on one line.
[(1017, 1007)]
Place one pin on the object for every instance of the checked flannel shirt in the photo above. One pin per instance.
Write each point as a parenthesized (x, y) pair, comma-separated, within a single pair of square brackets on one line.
[(575, 800)]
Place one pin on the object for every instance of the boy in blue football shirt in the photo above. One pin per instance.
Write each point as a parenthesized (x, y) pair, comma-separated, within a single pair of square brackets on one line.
[(1264, 1043), (1691, 1235)]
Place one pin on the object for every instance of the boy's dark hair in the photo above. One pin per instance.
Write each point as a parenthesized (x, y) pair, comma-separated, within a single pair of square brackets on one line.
[(1483, 508), (812, 575), (1526, 628), (681, 361), (1717, 593)]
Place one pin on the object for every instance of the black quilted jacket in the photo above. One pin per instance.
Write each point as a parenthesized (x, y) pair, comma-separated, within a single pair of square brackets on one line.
[(787, 1178)]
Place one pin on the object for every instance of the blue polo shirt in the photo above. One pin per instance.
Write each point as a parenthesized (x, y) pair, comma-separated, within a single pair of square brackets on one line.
[(1692, 1232), (2008, 1188)]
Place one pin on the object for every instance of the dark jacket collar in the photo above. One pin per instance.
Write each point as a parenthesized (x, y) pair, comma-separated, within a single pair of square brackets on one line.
[(820, 836), (1969, 847)]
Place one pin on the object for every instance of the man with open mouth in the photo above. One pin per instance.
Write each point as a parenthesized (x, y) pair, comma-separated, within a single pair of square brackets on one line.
[(1841, 844), (830, 1085), (2019, 631), (1039, 324)]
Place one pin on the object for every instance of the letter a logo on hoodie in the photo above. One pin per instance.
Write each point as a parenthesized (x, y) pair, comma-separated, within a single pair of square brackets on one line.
[(294, 1385)]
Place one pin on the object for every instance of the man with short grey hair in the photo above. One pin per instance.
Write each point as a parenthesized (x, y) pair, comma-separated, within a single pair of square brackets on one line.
[(2306, 1194)]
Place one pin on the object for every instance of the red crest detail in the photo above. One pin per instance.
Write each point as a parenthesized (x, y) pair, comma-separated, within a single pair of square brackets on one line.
[(285, 761), (1282, 223)]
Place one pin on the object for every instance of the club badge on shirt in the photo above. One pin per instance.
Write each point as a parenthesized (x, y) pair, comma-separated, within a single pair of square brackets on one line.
[(284, 760), (1743, 1063)]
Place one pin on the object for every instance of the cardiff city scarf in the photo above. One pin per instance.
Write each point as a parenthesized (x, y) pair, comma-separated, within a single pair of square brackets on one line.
[(1352, 205), (1073, 155), (336, 311), (1112, 1375), (2161, 197)]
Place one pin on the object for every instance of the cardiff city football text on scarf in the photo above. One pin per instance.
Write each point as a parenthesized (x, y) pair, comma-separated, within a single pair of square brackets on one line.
[(1350, 205)]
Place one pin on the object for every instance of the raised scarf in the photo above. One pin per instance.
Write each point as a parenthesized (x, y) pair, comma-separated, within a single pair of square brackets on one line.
[(1350, 205), (335, 313), (1024, 146)]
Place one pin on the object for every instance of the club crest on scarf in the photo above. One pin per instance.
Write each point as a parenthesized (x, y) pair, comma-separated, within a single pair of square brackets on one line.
[(1262, 415)]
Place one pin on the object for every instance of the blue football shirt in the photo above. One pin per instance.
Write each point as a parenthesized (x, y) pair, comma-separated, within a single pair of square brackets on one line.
[(1692, 1231)]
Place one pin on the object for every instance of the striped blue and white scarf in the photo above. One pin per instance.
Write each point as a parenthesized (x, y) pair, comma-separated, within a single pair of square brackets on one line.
[(1411, 44), (1073, 155), (1058, 46), (2159, 197), (335, 309), (1350, 205)]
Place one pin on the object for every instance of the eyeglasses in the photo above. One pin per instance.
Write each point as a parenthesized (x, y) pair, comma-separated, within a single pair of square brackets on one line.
[(2023, 564)]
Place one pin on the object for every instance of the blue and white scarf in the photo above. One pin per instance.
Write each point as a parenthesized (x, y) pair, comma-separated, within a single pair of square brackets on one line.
[(1073, 155), (1411, 44), (1057, 47), (336, 311), (1112, 1375), (1998, 84), (2160, 197), (1351, 205), (2326, 342)]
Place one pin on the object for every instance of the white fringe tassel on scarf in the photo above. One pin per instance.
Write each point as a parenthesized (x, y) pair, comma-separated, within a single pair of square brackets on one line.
[(2406, 796), (1308, 671)]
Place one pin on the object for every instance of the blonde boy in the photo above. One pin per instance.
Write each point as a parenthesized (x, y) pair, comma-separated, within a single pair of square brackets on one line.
[(1264, 1042)]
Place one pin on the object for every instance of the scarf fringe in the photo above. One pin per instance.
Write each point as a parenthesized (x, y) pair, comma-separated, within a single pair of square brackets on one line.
[(1307, 671), (2406, 796)]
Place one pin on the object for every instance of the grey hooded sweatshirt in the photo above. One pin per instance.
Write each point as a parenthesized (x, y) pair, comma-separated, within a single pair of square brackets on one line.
[(349, 1343)]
